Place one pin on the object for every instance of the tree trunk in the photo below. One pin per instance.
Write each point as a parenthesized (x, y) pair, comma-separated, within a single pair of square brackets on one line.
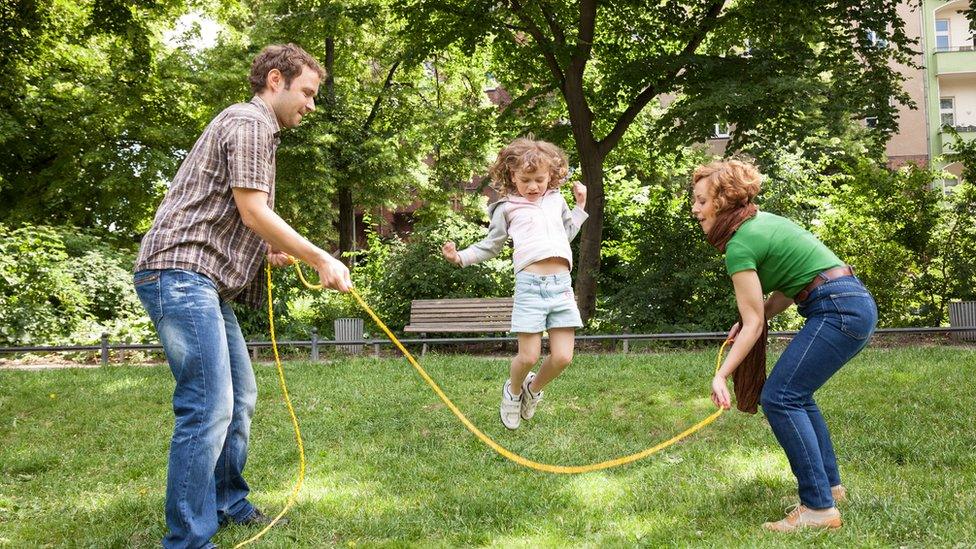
[(329, 73), (347, 211), (347, 225), (591, 234), (591, 162)]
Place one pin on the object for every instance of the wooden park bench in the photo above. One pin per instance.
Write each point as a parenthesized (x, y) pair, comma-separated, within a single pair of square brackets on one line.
[(431, 316)]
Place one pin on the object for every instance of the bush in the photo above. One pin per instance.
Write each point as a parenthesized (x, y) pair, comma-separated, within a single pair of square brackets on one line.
[(957, 239), (297, 309), (105, 278), (659, 274), (395, 272), (40, 302), (60, 285), (894, 227)]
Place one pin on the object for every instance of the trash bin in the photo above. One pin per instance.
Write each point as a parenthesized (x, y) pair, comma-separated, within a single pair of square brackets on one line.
[(349, 329), (963, 314)]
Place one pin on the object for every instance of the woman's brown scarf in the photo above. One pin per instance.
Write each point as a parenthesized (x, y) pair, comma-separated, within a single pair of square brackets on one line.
[(748, 379), (727, 222)]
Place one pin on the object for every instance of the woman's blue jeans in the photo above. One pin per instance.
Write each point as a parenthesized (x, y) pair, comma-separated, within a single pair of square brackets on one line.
[(213, 402), (840, 317)]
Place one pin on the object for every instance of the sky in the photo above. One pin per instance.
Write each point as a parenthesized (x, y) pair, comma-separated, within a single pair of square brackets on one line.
[(205, 38)]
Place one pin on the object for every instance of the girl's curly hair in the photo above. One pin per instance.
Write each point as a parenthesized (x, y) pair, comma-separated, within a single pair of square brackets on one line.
[(528, 154)]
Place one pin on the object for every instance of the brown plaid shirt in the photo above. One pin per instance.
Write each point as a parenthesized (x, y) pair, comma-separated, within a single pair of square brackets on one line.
[(197, 226)]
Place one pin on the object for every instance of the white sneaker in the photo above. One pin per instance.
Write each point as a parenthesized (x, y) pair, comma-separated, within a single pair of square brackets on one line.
[(510, 407), (529, 399)]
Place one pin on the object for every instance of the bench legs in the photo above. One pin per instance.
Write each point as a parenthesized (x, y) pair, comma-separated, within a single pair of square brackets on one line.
[(423, 350)]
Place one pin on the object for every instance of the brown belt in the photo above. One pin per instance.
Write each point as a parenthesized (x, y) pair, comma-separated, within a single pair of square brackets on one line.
[(820, 279)]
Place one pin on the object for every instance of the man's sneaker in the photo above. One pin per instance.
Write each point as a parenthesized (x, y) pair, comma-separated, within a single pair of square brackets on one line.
[(839, 493), (529, 399), (801, 517), (510, 407), (257, 518)]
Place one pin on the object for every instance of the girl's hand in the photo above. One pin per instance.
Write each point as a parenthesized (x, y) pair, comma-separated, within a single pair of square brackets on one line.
[(720, 393), (450, 252), (579, 191)]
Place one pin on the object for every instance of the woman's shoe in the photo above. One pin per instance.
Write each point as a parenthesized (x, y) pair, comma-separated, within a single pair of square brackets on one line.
[(839, 493), (801, 517)]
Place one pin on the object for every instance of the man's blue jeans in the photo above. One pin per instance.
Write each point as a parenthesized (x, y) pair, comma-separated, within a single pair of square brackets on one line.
[(213, 402), (840, 317)]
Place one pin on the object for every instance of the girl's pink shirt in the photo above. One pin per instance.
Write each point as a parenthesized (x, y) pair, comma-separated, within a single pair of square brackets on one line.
[(539, 230)]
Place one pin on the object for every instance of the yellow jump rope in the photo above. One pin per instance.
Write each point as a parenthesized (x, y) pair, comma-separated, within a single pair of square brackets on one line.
[(545, 467)]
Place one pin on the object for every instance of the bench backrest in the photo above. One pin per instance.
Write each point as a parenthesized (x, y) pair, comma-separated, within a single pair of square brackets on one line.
[(460, 315)]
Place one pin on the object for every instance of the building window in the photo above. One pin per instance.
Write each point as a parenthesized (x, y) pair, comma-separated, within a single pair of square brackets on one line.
[(871, 121), (721, 131), (876, 40), (942, 42), (947, 110)]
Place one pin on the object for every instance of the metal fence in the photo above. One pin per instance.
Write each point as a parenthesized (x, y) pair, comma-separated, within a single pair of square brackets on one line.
[(315, 344)]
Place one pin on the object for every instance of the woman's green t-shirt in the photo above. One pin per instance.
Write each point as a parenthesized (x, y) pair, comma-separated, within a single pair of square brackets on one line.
[(784, 255)]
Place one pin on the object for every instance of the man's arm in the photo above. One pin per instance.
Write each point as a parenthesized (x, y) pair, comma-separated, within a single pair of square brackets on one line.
[(257, 216)]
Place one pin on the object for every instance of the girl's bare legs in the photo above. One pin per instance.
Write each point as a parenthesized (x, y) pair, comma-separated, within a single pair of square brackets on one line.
[(529, 349), (562, 341)]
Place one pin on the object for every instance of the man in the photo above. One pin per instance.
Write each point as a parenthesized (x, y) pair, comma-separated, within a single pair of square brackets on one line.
[(207, 247)]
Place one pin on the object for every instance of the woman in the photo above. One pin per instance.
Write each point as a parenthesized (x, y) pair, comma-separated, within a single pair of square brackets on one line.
[(769, 254)]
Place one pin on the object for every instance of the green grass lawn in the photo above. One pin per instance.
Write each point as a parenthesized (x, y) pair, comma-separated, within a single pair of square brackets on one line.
[(83, 456)]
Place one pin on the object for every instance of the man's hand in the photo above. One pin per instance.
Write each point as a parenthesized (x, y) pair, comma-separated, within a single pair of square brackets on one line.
[(579, 191), (279, 259), (450, 253), (333, 274)]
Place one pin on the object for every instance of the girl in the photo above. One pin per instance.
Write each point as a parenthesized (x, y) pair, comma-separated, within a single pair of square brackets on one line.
[(769, 254), (528, 173)]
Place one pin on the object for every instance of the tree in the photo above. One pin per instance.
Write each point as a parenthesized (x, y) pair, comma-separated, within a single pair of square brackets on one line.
[(91, 118), (377, 117), (762, 66), (960, 235)]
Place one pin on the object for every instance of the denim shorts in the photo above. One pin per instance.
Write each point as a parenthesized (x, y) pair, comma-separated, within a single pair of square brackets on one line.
[(543, 302)]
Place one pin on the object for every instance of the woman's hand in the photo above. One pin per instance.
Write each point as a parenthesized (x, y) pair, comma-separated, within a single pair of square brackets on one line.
[(734, 331), (579, 192), (450, 252), (720, 393)]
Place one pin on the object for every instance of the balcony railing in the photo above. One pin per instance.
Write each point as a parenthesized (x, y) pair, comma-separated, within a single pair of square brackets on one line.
[(966, 133), (959, 59), (968, 47)]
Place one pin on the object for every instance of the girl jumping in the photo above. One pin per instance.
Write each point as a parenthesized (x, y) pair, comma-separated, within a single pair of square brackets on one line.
[(528, 173)]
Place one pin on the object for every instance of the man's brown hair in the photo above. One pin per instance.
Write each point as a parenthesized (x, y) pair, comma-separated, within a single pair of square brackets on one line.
[(289, 59)]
